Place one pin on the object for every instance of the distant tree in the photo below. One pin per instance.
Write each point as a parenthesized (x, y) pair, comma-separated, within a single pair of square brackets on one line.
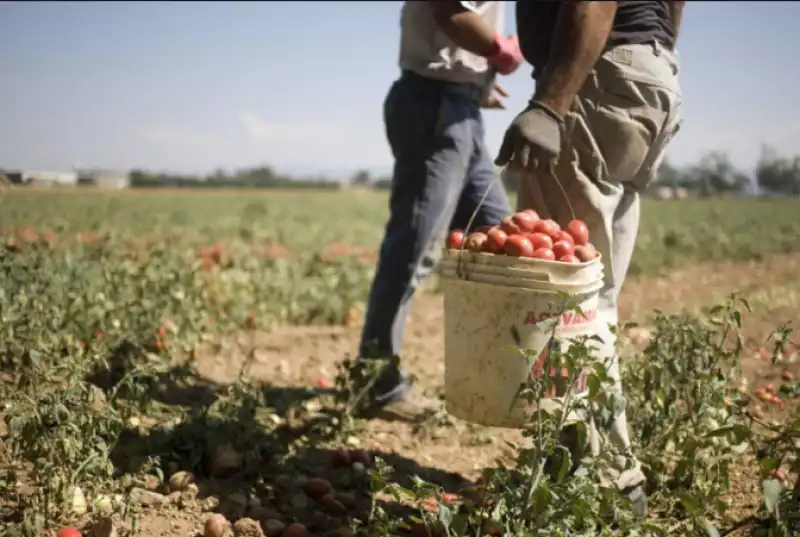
[(715, 174), (778, 175), (361, 178), (668, 175), (218, 175)]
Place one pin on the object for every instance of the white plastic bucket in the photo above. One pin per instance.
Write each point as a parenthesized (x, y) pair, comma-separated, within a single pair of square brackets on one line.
[(492, 304)]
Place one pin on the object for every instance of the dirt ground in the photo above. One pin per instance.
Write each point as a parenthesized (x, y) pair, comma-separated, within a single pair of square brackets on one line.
[(449, 453), (307, 356)]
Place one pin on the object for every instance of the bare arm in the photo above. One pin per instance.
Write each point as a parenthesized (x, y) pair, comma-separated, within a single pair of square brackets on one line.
[(580, 37), (676, 14), (467, 29)]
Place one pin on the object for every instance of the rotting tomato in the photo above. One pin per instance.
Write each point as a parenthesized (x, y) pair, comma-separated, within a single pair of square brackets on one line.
[(508, 225), (215, 526), (455, 239), (340, 458), (585, 252), (518, 246), (579, 232), (296, 530), (475, 242)]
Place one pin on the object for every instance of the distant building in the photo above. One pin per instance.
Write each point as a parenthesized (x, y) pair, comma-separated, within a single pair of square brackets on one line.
[(103, 179), (41, 178), (664, 193)]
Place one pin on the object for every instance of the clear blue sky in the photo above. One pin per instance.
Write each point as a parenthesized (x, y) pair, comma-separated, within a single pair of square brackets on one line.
[(300, 85)]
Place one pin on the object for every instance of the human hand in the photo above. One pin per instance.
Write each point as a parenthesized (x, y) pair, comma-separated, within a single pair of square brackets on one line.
[(508, 56), (493, 101), (533, 140)]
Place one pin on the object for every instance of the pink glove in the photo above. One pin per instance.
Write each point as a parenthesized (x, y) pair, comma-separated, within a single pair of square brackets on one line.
[(508, 56)]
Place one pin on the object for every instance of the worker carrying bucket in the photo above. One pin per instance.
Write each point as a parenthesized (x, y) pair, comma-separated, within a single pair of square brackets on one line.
[(606, 105)]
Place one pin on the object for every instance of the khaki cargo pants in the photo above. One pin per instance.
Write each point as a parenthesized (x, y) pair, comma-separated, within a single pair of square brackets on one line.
[(615, 139)]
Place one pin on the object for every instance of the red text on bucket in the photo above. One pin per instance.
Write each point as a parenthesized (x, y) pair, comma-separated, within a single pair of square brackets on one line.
[(569, 318), (561, 377)]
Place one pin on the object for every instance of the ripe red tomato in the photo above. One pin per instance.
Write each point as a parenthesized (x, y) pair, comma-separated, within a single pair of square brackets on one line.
[(508, 225), (544, 253), (569, 259), (68, 531), (562, 248), (524, 221), (548, 227), (532, 213), (585, 252), (579, 232), (518, 246), (540, 240), (455, 239), (496, 238), (564, 236)]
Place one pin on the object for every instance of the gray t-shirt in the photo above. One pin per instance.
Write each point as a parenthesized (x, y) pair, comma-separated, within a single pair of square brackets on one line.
[(427, 51)]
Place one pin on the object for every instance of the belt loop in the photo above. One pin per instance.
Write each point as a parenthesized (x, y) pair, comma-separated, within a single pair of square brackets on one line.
[(657, 48)]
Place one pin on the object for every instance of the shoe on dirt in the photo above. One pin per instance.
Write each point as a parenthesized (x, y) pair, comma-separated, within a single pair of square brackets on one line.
[(413, 406), (638, 500)]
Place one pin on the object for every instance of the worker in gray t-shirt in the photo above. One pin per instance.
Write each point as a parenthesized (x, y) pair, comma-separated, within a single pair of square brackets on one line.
[(450, 52)]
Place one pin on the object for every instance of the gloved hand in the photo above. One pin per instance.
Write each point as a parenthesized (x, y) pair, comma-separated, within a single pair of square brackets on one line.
[(533, 140), (508, 56)]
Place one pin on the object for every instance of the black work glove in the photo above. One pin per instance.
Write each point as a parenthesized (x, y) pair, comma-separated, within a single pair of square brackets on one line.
[(533, 140)]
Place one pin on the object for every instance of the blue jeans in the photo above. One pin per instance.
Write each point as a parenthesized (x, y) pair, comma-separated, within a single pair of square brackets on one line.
[(442, 170)]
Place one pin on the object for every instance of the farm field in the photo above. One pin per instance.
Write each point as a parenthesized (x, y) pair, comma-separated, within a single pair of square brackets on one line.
[(170, 354)]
